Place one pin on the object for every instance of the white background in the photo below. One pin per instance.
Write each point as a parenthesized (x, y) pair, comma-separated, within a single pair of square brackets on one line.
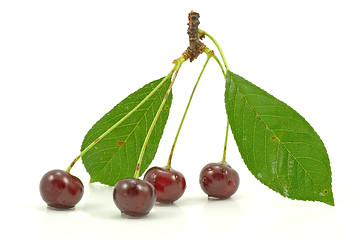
[(64, 64)]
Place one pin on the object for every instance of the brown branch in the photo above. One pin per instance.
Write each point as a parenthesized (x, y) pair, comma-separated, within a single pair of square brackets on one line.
[(196, 47)]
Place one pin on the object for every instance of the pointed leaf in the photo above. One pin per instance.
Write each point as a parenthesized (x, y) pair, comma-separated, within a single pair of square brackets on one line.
[(279, 146), (115, 156)]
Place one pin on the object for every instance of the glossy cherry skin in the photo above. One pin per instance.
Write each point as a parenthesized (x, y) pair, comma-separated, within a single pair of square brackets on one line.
[(219, 180), (169, 184), (60, 189), (134, 197)]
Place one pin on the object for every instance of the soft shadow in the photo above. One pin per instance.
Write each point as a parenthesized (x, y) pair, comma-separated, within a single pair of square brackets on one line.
[(124, 216), (60, 209), (164, 205)]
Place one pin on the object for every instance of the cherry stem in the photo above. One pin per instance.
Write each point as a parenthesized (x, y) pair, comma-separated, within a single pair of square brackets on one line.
[(178, 64), (209, 55), (201, 32), (223, 161), (122, 119)]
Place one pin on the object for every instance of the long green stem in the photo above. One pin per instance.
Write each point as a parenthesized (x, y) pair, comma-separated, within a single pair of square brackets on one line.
[(168, 166), (138, 165), (223, 161), (121, 120), (202, 32), (222, 69)]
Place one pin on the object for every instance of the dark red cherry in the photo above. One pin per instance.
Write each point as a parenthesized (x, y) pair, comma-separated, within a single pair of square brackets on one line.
[(60, 189), (169, 184), (219, 180), (134, 197)]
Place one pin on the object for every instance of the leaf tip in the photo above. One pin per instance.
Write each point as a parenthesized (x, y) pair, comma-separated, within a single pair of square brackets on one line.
[(331, 202)]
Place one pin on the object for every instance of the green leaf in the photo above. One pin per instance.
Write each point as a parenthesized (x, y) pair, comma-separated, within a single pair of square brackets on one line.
[(115, 156), (277, 144)]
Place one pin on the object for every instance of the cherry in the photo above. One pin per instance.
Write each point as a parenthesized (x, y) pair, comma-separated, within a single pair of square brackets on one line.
[(219, 180), (60, 189), (134, 197), (169, 184)]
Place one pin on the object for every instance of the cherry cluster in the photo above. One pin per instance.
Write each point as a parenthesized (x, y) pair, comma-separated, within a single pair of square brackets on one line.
[(136, 197)]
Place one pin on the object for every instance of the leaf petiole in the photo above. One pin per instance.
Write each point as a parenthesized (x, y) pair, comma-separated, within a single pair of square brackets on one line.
[(218, 61), (121, 120), (202, 32)]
